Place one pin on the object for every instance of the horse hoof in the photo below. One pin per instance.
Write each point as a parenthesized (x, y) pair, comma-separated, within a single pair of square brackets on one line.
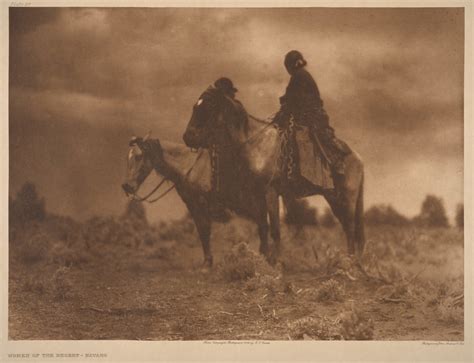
[(205, 270), (207, 263), (273, 259), (264, 251)]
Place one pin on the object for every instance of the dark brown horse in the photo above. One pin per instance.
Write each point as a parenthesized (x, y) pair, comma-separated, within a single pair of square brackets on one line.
[(214, 120), (191, 174)]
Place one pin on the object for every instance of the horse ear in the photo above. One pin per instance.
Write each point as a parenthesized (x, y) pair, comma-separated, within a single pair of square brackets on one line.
[(135, 141), (147, 136)]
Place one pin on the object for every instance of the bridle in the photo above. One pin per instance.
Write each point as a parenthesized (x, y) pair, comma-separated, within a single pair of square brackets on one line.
[(145, 199), (136, 197)]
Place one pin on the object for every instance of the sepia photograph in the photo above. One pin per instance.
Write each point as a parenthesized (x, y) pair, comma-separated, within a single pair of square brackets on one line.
[(236, 174)]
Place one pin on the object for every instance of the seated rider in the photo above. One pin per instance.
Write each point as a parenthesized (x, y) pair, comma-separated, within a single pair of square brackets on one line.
[(217, 210), (302, 102)]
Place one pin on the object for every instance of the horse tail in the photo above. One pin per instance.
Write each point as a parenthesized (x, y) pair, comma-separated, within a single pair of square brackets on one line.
[(359, 217)]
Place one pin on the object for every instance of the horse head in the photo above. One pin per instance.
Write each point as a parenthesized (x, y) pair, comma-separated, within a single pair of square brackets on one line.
[(216, 119), (142, 159)]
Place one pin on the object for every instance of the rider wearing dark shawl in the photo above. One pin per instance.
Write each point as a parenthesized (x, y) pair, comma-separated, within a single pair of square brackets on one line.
[(221, 170), (302, 100)]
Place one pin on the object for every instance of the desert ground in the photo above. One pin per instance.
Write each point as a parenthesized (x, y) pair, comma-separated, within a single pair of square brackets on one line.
[(123, 278)]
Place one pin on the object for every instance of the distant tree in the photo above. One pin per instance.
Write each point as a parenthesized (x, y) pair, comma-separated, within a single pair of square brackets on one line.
[(460, 215), (384, 215), (136, 212), (328, 220), (298, 212), (27, 205), (432, 213)]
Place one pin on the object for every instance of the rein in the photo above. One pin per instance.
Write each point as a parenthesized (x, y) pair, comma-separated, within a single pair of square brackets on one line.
[(256, 134), (145, 199)]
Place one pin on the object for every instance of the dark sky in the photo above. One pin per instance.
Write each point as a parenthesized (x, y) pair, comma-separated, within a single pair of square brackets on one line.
[(83, 80)]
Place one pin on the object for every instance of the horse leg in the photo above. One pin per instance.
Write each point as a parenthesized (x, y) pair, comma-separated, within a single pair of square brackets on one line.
[(273, 208), (263, 234), (202, 220), (359, 219), (352, 193), (204, 231), (294, 223), (344, 211)]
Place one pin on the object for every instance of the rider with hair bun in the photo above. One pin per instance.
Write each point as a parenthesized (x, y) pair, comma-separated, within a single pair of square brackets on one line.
[(302, 101)]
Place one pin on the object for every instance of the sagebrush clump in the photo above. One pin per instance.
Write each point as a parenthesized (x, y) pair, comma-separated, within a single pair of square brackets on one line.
[(331, 290), (270, 283), (242, 264)]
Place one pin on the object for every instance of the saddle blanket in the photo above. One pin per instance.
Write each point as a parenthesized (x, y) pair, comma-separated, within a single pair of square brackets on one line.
[(312, 164)]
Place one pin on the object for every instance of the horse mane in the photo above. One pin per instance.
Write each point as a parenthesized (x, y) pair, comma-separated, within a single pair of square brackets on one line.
[(180, 164)]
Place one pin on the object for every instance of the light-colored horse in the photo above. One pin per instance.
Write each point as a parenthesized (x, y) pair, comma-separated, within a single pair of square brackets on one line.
[(191, 174)]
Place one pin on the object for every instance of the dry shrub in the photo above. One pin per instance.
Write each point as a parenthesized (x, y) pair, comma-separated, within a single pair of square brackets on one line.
[(164, 252), (123, 231), (387, 272), (102, 230), (34, 248), (298, 259), (67, 256), (331, 290), (61, 228), (382, 250), (356, 326), (61, 283), (448, 301), (314, 328), (410, 244), (335, 259), (400, 293), (266, 282), (181, 230), (334, 262), (242, 264), (450, 311)]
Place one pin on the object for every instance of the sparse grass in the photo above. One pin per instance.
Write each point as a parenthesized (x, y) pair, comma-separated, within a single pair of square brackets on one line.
[(158, 291)]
